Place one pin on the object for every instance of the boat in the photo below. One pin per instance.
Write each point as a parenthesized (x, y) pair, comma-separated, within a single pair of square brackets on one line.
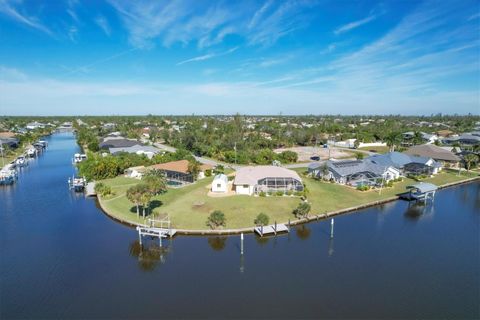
[(32, 152), (79, 157), (7, 176), (77, 183), (21, 161)]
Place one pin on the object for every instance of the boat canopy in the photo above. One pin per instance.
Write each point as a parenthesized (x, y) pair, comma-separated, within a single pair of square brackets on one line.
[(423, 187)]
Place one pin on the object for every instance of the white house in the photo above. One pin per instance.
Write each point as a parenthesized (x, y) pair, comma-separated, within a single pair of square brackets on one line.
[(220, 183), (252, 180), (135, 172)]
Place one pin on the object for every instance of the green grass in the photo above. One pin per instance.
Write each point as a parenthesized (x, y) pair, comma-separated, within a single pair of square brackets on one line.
[(378, 149), (189, 207)]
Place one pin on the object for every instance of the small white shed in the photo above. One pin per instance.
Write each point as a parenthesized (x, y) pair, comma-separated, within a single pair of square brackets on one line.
[(220, 183)]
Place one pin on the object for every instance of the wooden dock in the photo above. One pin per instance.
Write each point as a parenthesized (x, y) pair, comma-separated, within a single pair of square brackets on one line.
[(90, 190), (272, 229)]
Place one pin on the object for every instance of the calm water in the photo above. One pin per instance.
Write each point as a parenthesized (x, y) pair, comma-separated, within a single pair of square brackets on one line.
[(61, 257)]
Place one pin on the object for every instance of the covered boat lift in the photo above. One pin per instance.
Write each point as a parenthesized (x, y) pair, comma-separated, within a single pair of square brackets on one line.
[(421, 191)]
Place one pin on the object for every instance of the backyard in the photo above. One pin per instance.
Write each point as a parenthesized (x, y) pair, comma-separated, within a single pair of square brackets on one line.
[(189, 207)]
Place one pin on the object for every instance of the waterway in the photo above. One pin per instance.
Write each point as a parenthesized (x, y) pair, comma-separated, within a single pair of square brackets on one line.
[(61, 257)]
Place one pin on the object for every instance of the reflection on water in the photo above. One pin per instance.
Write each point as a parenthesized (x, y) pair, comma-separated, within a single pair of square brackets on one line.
[(217, 243), (51, 240), (419, 210), (303, 232), (149, 255)]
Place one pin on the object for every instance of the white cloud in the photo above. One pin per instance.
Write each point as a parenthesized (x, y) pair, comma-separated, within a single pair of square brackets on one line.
[(8, 8), (208, 23), (102, 22), (207, 56), (355, 24)]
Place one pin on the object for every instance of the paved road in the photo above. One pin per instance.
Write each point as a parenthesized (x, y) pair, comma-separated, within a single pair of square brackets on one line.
[(213, 162)]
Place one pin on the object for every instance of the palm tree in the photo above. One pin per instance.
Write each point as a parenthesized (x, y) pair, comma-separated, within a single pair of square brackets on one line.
[(194, 168), (469, 160), (134, 195), (393, 139), (417, 138), (156, 182), (145, 199)]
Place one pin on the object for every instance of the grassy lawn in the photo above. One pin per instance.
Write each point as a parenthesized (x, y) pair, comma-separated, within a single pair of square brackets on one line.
[(325, 196), (378, 149), (189, 207)]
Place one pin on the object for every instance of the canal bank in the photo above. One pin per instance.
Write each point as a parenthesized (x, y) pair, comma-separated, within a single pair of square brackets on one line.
[(292, 222)]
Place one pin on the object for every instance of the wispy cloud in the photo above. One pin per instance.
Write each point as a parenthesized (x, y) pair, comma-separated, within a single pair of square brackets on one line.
[(207, 56), (8, 8), (416, 57), (355, 24), (102, 22), (208, 23), (87, 68)]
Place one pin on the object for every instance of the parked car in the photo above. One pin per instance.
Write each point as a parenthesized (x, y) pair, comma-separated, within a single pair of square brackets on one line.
[(315, 158)]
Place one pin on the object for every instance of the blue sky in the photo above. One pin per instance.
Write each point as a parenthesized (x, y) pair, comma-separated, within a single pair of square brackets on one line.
[(253, 57)]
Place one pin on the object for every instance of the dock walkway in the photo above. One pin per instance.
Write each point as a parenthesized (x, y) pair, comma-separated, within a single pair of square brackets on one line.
[(272, 229), (90, 189)]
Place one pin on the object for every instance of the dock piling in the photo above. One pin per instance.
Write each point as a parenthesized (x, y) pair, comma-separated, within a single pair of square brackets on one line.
[(332, 222), (241, 243)]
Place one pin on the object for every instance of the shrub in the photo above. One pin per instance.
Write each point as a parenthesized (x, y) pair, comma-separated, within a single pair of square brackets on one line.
[(363, 187), (262, 194), (289, 192), (261, 220), (102, 189), (298, 193), (279, 193), (208, 173), (302, 210), (216, 219)]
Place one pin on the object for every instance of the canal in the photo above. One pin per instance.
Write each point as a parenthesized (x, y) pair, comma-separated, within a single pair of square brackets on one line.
[(61, 257)]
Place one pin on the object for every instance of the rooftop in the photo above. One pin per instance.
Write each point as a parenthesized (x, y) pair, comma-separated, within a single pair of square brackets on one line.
[(251, 174), (432, 151)]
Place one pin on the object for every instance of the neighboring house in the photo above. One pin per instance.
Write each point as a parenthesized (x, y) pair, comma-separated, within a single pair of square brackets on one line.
[(426, 137), (8, 138), (117, 142), (135, 172), (407, 164), (355, 172), (220, 183), (177, 172), (254, 179), (149, 151), (437, 153), (472, 138), (34, 125)]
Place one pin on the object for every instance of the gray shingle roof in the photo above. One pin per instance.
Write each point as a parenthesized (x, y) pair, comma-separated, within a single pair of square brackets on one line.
[(396, 159)]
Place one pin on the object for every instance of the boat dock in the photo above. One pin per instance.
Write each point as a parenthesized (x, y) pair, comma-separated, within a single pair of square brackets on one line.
[(90, 190), (420, 192), (272, 229), (155, 232)]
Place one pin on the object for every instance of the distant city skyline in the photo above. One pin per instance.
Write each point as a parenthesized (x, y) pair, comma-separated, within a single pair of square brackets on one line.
[(269, 57)]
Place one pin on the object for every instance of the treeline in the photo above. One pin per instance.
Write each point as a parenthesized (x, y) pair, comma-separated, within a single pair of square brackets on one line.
[(98, 167)]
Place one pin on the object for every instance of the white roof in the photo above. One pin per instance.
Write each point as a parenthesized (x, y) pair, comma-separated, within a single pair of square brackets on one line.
[(250, 175), (221, 177)]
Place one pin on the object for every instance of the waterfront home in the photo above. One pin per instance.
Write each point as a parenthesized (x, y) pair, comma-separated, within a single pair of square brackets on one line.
[(135, 172), (354, 172), (139, 149), (177, 172), (34, 125), (255, 179), (220, 183), (426, 137), (407, 164), (10, 142), (472, 138), (117, 142), (445, 157)]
